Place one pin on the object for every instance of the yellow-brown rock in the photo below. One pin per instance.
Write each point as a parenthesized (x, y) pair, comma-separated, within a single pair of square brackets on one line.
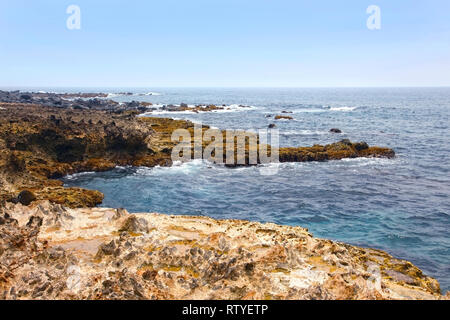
[(278, 117), (51, 252)]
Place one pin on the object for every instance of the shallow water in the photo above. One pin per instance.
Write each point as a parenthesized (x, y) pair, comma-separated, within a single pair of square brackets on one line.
[(400, 205)]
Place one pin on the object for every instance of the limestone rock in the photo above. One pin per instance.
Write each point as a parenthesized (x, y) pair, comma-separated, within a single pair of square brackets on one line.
[(92, 256)]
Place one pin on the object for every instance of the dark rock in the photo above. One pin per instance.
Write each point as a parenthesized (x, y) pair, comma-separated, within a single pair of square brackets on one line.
[(346, 142), (272, 125), (361, 146), (107, 287), (133, 224), (149, 275), (34, 222), (249, 268), (130, 255), (26, 197), (16, 164), (133, 104), (335, 130), (107, 249)]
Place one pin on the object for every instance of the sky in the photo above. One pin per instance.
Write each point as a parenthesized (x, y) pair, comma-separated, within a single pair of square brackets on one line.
[(224, 43)]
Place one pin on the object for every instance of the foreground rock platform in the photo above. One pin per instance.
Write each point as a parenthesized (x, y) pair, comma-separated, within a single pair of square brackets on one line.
[(48, 251)]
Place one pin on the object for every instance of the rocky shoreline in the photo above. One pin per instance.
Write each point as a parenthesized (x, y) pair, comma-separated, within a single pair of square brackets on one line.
[(99, 101), (48, 251), (55, 245), (41, 144)]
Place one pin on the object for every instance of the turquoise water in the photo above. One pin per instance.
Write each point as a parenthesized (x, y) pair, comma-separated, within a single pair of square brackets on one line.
[(399, 205)]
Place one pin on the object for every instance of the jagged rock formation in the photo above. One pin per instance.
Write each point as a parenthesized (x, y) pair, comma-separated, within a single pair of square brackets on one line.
[(52, 252), (40, 144)]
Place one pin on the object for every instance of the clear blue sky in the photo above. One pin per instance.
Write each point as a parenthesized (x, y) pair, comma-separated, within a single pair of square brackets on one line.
[(224, 43)]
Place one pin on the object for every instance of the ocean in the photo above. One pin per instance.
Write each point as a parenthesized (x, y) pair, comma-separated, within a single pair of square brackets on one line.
[(399, 205)]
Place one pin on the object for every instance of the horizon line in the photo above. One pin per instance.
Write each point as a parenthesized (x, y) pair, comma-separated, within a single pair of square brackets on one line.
[(222, 87)]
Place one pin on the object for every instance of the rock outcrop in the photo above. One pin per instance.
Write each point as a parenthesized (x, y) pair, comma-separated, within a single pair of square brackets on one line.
[(41, 144), (278, 117), (77, 101), (164, 128), (335, 151), (48, 251)]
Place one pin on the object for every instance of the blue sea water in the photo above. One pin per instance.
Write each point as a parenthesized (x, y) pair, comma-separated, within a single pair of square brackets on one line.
[(400, 205)]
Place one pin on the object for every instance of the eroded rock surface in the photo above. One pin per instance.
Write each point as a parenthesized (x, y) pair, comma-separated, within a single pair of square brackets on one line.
[(41, 144), (48, 251)]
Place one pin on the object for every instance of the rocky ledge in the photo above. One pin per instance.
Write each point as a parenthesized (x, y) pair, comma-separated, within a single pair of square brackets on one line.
[(48, 251)]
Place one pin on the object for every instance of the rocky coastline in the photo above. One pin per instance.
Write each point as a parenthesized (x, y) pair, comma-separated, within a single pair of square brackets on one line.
[(43, 143), (48, 251), (100, 101), (54, 243)]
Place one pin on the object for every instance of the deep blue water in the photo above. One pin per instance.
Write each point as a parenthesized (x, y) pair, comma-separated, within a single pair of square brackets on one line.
[(400, 205)]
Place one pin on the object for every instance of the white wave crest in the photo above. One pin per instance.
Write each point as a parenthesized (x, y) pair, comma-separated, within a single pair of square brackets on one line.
[(343, 108), (226, 108), (324, 109), (367, 161), (177, 167), (113, 95), (78, 175), (151, 94), (303, 132)]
